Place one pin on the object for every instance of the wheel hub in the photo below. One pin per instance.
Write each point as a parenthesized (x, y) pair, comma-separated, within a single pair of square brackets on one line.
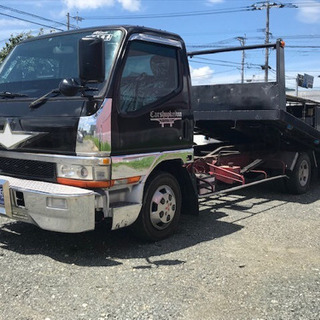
[(163, 207), (303, 173)]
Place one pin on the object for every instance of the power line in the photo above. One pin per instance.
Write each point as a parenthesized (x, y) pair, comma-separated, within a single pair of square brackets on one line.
[(216, 64), (25, 20), (257, 6), (172, 14), (218, 60), (32, 15), (234, 65)]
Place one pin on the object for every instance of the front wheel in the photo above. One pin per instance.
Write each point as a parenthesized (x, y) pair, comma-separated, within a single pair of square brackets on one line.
[(299, 179), (160, 212)]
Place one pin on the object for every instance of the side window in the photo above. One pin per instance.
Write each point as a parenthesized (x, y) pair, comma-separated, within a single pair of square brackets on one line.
[(150, 73)]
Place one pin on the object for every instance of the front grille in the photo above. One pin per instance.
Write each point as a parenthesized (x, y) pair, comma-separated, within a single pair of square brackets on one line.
[(36, 170)]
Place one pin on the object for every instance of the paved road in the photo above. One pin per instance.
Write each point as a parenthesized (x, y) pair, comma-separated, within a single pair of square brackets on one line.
[(251, 255)]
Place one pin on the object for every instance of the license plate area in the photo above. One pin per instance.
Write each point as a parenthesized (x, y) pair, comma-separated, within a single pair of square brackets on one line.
[(1, 196), (5, 201)]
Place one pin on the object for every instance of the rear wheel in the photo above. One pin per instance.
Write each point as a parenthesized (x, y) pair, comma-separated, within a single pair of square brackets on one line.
[(160, 212), (299, 179)]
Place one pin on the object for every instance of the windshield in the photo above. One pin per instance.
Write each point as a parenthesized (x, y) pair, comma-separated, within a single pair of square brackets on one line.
[(35, 67)]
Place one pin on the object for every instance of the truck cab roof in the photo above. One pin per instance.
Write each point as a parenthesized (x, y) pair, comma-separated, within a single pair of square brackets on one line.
[(128, 29)]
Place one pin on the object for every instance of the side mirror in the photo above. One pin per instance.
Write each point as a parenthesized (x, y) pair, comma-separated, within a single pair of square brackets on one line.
[(69, 87), (91, 60)]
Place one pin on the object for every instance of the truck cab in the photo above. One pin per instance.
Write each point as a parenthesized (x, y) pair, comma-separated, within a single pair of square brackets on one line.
[(86, 118)]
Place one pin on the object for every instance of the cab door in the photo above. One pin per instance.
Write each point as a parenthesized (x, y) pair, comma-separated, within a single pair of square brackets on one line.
[(151, 111)]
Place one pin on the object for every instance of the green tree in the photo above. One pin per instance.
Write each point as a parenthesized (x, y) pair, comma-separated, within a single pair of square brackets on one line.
[(12, 42)]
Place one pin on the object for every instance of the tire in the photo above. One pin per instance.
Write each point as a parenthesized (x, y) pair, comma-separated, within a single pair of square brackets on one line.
[(299, 179), (161, 208)]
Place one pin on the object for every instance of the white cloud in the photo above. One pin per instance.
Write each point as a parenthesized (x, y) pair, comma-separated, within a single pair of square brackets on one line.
[(85, 4), (310, 13), (203, 75), (215, 1), (208, 76), (130, 5)]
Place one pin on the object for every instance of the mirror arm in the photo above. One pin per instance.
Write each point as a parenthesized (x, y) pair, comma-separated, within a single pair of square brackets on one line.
[(70, 87)]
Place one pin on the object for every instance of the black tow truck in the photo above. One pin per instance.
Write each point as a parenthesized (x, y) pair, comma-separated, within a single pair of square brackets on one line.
[(97, 124)]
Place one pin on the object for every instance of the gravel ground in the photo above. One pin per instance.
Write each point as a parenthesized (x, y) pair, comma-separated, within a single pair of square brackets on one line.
[(251, 255)]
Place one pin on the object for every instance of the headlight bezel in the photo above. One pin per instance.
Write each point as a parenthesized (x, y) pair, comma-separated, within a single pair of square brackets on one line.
[(84, 171)]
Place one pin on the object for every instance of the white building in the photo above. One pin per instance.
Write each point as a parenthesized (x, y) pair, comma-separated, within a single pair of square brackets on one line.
[(310, 94), (307, 94)]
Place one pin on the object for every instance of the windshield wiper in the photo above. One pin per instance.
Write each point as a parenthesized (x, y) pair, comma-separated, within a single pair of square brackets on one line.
[(56, 92), (7, 94), (44, 98)]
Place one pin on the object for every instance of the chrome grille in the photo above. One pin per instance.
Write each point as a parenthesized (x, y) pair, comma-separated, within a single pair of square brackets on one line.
[(21, 168)]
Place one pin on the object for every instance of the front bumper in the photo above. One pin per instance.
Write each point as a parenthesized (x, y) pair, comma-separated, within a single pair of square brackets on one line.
[(50, 206)]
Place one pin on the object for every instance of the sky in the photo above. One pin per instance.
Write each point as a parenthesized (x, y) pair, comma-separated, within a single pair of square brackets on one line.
[(203, 24)]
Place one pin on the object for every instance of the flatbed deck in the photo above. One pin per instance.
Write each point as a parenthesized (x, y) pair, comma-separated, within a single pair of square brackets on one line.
[(256, 112), (251, 121), (236, 125)]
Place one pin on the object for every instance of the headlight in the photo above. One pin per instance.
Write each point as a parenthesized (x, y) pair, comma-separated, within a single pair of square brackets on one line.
[(82, 172), (86, 173), (66, 171), (75, 171)]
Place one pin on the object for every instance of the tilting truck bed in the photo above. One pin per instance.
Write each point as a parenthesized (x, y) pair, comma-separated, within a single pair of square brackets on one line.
[(256, 112)]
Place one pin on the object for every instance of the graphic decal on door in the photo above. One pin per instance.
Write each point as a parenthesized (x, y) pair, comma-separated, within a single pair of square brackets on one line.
[(166, 117)]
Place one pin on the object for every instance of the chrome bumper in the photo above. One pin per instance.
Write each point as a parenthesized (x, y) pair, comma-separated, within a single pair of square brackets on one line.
[(48, 205)]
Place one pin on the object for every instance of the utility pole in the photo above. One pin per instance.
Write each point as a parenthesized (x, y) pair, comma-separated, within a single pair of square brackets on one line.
[(68, 21), (266, 63), (268, 5), (242, 42), (77, 18)]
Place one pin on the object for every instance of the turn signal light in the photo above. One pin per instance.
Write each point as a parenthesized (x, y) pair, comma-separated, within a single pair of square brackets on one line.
[(85, 183), (124, 181), (98, 184)]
